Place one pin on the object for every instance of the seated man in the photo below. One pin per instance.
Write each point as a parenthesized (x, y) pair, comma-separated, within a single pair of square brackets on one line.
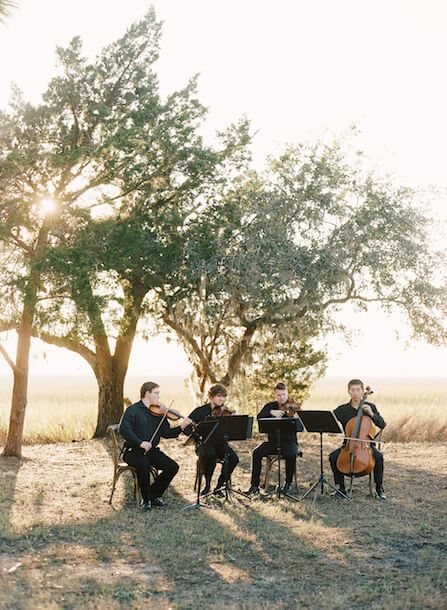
[(214, 449), (288, 440), (138, 427), (346, 412)]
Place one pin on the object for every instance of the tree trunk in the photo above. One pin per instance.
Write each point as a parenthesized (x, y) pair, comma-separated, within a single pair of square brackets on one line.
[(110, 399), (111, 372), (14, 440), (19, 399)]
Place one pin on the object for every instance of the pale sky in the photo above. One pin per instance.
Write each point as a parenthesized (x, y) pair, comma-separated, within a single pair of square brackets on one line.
[(297, 69)]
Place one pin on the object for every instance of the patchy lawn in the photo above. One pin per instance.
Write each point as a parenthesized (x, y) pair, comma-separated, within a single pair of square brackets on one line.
[(63, 546)]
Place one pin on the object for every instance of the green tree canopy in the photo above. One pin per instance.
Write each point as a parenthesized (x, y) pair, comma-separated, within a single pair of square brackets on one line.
[(124, 168), (286, 248)]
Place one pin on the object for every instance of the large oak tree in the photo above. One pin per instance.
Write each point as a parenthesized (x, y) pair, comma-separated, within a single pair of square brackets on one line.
[(96, 184), (282, 251)]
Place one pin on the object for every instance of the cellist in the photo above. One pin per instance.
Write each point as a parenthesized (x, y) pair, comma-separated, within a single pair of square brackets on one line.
[(346, 412)]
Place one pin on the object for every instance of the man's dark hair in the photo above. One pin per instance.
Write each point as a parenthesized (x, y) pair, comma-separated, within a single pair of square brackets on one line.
[(355, 382), (217, 390), (147, 386), (280, 386)]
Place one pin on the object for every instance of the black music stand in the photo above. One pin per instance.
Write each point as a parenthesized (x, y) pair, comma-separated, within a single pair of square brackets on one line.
[(278, 425), (323, 422), (203, 432), (233, 428)]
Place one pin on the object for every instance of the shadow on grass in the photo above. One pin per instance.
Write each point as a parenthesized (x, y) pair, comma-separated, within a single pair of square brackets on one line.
[(9, 472), (265, 554)]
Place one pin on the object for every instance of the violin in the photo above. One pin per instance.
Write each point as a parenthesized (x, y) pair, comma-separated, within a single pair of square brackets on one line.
[(356, 458), (290, 408), (221, 411), (170, 413), (166, 413)]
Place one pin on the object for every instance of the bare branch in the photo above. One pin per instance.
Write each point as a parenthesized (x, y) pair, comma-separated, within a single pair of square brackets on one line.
[(70, 344), (7, 358), (189, 339), (19, 242)]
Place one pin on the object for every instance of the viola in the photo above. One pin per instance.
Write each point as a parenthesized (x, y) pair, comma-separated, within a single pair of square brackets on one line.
[(221, 411), (356, 458), (290, 408)]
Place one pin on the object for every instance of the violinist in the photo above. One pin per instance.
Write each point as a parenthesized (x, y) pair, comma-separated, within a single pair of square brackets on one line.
[(346, 412), (142, 429), (282, 406), (214, 449)]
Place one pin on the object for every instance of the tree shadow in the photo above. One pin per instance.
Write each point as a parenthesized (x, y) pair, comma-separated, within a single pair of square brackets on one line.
[(9, 472), (264, 554)]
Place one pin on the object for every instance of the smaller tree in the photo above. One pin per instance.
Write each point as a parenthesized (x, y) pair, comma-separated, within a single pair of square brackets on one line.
[(282, 356)]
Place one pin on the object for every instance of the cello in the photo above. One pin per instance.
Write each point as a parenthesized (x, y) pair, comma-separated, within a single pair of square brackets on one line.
[(356, 458)]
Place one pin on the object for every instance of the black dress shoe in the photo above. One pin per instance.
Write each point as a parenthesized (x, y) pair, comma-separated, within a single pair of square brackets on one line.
[(205, 491), (380, 494), (145, 506), (286, 487), (253, 489), (158, 502)]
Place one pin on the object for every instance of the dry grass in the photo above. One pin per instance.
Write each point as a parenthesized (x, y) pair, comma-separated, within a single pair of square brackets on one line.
[(63, 546), (64, 409)]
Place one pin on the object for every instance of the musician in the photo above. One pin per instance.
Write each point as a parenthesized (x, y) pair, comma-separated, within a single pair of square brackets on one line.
[(288, 440), (137, 427), (214, 449), (346, 412)]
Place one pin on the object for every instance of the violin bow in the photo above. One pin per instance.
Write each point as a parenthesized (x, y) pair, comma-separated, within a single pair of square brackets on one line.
[(161, 422)]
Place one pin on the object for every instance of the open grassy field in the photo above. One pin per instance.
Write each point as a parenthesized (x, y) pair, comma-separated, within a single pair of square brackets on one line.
[(63, 547), (64, 408)]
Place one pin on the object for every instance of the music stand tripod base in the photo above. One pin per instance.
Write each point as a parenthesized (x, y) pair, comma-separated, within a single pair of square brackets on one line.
[(205, 430), (278, 425), (234, 428), (323, 422)]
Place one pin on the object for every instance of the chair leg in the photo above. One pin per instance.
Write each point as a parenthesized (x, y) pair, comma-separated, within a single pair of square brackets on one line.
[(268, 466), (370, 486), (115, 478), (296, 478), (136, 489)]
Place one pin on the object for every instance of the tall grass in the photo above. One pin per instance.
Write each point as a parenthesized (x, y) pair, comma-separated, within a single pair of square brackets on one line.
[(64, 409)]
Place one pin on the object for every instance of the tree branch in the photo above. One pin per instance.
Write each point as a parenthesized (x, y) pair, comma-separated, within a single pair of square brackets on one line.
[(19, 242), (8, 359), (70, 344), (189, 339)]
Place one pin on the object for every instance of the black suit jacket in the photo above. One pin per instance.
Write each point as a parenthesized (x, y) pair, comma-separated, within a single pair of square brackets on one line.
[(266, 412), (138, 425)]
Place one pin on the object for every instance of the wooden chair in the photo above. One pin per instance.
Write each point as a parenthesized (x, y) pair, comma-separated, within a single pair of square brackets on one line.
[(378, 439), (120, 466), (270, 461)]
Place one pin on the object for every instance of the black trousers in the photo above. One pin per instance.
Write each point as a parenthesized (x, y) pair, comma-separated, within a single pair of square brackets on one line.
[(209, 455), (289, 451), (142, 463), (339, 477)]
